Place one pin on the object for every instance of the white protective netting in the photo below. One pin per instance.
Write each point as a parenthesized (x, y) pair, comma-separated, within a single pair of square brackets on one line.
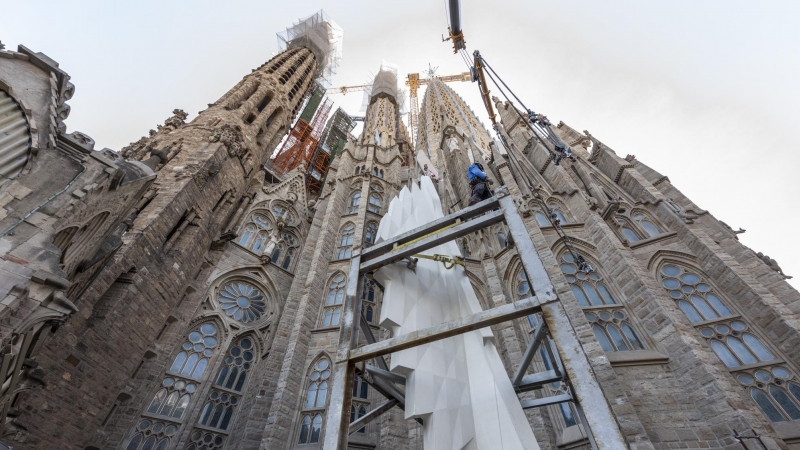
[(385, 81), (320, 34)]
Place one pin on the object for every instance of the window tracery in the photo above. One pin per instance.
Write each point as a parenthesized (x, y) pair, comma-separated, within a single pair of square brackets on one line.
[(773, 388), (541, 215), (355, 201), (370, 233), (368, 298), (255, 232), (152, 435), (345, 249), (333, 301), (315, 402), (637, 225), (242, 301), (219, 411), (168, 406), (375, 199), (284, 252), (611, 326)]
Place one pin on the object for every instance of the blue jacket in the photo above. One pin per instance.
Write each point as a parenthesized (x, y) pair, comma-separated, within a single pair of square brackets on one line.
[(473, 172)]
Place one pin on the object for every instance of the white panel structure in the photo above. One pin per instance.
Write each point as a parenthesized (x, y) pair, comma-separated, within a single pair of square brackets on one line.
[(458, 386)]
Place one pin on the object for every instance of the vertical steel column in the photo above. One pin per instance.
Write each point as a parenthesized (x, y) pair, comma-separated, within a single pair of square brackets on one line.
[(603, 428), (337, 422)]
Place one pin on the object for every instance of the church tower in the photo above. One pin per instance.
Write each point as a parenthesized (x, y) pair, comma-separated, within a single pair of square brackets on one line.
[(174, 298)]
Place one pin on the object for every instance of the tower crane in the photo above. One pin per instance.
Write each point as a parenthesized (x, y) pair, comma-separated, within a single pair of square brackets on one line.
[(413, 82)]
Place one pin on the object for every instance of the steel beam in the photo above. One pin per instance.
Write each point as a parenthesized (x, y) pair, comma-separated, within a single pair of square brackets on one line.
[(587, 391), (372, 415), (445, 330), (554, 400), (433, 240), (536, 381), (371, 340), (430, 227), (534, 268), (338, 415), (533, 346), (386, 375)]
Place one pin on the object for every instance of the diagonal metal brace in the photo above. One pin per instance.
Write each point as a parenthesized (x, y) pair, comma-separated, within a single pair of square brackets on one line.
[(372, 415), (533, 347)]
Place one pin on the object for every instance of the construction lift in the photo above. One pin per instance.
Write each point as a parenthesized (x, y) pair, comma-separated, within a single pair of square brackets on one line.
[(555, 334)]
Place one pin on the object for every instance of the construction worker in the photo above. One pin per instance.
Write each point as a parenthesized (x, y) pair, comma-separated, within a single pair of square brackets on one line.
[(479, 182)]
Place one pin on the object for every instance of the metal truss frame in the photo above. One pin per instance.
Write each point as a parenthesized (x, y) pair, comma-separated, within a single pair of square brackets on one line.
[(571, 365)]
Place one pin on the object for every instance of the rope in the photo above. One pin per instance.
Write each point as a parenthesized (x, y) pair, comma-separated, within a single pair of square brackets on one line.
[(445, 260)]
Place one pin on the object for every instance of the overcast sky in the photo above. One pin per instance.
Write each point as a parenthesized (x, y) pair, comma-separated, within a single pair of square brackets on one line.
[(706, 92)]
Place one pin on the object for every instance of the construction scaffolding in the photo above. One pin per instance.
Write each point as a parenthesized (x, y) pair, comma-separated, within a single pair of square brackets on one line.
[(304, 136), (322, 36), (333, 141)]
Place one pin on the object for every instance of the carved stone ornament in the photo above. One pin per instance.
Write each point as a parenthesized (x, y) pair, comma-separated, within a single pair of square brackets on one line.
[(231, 138), (177, 120)]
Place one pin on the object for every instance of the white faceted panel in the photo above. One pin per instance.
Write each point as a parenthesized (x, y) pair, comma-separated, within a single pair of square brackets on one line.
[(458, 386)]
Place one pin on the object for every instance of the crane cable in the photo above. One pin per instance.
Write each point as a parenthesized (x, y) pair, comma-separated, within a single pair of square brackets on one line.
[(578, 259)]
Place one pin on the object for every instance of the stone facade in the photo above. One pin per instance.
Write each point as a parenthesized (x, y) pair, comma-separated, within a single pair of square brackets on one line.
[(166, 296)]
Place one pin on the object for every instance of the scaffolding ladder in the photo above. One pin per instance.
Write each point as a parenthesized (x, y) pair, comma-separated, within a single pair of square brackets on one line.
[(570, 364)]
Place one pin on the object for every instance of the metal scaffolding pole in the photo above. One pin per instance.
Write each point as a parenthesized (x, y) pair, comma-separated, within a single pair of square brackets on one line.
[(570, 362)]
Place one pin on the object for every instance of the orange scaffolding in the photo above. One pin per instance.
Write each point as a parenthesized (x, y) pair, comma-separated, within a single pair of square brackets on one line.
[(301, 143)]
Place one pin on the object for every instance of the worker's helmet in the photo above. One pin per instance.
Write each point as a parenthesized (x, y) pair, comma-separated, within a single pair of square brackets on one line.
[(480, 166)]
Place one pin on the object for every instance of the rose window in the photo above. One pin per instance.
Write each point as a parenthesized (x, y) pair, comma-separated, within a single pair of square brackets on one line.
[(242, 301)]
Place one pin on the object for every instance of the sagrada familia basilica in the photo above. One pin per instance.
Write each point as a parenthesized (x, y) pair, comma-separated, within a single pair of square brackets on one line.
[(190, 290)]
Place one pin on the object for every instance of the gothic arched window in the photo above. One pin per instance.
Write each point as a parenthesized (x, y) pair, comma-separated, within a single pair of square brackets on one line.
[(627, 230), (380, 173), (283, 255), (775, 390), (315, 401), (368, 298), (645, 223), (375, 171), (220, 409), (255, 232), (345, 249), (501, 236), (374, 203), (355, 201), (611, 326), (370, 233), (358, 170), (360, 388), (152, 434), (541, 215), (178, 386), (333, 301), (357, 411)]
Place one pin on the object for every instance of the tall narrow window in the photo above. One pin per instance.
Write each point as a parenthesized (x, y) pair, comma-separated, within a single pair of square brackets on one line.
[(333, 302), (501, 236), (370, 233), (646, 224), (284, 254), (627, 231), (375, 203), (315, 401), (612, 327), (168, 406), (355, 201), (219, 411), (368, 299), (254, 233), (346, 242)]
